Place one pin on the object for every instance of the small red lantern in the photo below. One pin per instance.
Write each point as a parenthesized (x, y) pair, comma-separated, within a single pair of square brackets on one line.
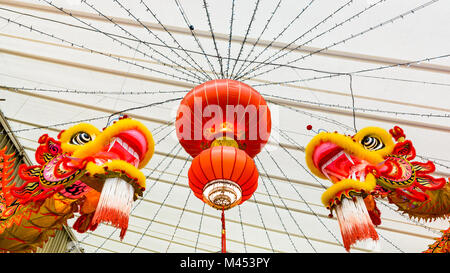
[(223, 177)]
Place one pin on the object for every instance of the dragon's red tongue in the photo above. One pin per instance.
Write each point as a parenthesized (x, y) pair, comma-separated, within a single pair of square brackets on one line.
[(333, 161)]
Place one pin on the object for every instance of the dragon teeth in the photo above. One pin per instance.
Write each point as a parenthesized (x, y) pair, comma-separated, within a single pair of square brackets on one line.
[(128, 148), (125, 146), (349, 158)]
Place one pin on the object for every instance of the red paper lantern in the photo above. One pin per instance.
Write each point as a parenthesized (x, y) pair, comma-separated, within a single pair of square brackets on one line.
[(223, 109), (223, 124), (223, 177)]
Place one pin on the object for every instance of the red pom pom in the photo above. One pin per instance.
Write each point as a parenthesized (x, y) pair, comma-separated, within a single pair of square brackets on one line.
[(309, 127)]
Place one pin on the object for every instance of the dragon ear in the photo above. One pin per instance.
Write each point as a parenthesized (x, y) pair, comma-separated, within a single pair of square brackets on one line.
[(48, 149), (59, 135), (29, 173), (41, 183), (6, 173), (30, 190), (424, 168), (413, 194), (427, 182), (397, 133), (405, 149)]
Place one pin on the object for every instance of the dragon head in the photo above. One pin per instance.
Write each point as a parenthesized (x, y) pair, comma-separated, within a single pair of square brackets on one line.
[(371, 163), (372, 159), (349, 162), (120, 150), (98, 169)]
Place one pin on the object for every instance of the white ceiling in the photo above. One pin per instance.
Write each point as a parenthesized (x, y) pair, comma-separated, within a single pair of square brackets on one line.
[(278, 219)]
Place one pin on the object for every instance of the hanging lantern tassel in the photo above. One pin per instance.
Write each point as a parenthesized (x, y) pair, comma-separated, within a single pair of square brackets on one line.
[(355, 223), (224, 247), (115, 204)]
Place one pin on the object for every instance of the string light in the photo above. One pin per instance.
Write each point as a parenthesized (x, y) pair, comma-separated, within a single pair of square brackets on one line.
[(73, 44), (205, 6), (410, 219), (185, 72), (246, 35), (353, 102), (276, 211), (436, 163), (331, 15), (293, 157), (108, 34), (319, 117), (352, 36), (298, 193), (278, 36), (198, 68), (93, 119), (242, 228), (359, 108), (295, 143), (164, 200), (336, 74), (259, 37), (162, 127), (332, 74), (262, 221), (403, 80), (199, 45), (98, 92), (229, 38)]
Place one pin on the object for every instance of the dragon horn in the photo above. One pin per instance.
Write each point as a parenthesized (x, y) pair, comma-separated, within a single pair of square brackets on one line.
[(397, 133)]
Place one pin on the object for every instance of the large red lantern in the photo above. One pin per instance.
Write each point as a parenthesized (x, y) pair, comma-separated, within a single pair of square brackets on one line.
[(223, 124), (223, 109)]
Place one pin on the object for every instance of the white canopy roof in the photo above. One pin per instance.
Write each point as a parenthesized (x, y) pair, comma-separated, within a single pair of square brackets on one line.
[(63, 62)]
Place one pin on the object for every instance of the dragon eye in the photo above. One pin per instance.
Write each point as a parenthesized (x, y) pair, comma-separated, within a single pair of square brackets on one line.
[(372, 143), (80, 138)]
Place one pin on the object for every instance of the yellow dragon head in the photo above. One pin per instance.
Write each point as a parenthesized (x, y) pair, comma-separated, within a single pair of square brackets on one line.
[(374, 163), (97, 170), (120, 150), (370, 160), (343, 160)]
